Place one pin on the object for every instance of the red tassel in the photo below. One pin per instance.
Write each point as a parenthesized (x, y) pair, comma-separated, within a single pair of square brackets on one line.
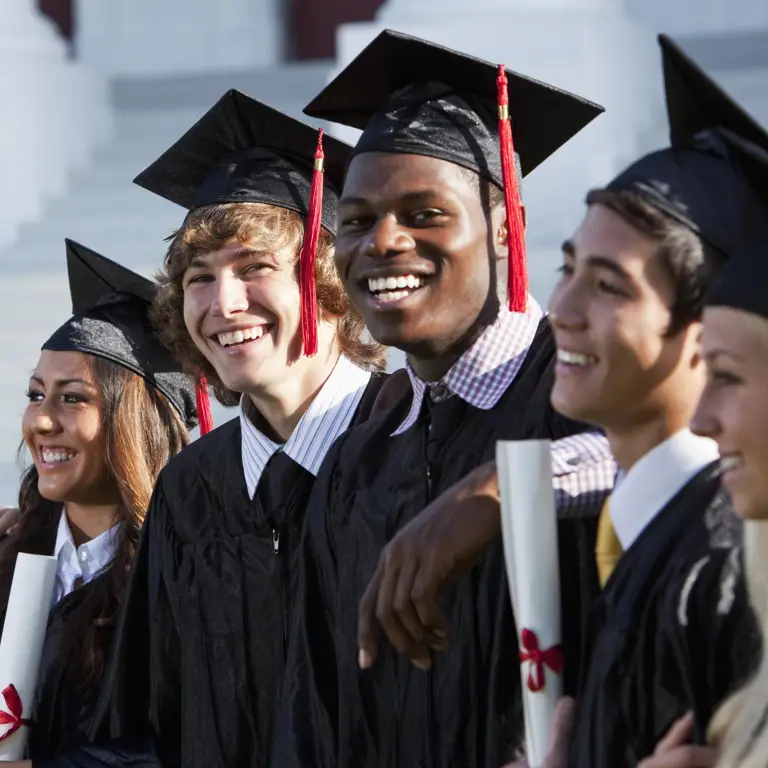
[(517, 275), (204, 415), (308, 253)]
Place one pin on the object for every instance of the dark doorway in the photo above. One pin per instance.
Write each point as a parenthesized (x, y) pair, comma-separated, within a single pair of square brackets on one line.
[(314, 22), (62, 12)]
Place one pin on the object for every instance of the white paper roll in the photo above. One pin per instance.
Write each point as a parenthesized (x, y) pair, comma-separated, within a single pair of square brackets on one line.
[(529, 527), (26, 621)]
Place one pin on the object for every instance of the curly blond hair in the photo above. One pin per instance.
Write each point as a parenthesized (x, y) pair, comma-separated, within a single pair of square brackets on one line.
[(263, 227)]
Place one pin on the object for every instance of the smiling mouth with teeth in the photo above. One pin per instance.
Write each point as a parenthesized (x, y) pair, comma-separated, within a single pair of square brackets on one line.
[(574, 358), (388, 289), (241, 336), (56, 455)]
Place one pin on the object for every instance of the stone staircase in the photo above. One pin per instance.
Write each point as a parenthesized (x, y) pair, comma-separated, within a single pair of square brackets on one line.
[(106, 212)]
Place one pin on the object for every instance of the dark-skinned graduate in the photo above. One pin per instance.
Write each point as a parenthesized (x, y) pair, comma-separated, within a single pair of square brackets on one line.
[(251, 298), (671, 631), (429, 208)]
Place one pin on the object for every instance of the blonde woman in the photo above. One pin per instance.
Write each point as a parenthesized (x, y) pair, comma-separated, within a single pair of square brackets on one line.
[(733, 411)]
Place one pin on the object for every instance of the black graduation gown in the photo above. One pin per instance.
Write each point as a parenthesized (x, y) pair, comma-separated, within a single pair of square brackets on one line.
[(202, 640), (467, 711), (671, 632), (64, 707)]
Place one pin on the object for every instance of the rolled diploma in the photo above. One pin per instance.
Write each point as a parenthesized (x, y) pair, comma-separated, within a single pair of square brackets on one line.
[(21, 646), (529, 528)]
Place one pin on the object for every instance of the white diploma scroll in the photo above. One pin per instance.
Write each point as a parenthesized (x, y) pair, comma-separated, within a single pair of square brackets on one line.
[(529, 527), (21, 646)]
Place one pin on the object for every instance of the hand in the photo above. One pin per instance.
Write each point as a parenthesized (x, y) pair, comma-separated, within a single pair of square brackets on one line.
[(443, 542), (676, 751), (9, 517), (559, 736)]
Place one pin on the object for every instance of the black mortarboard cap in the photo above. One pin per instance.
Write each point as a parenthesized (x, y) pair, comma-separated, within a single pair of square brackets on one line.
[(243, 151), (703, 178), (415, 97), (110, 319), (743, 281)]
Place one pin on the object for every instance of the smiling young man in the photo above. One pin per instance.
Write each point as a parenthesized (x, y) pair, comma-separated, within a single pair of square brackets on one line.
[(672, 631), (202, 642), (422, 228)]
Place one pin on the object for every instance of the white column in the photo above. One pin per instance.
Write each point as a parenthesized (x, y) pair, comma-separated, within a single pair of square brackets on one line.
[(590, 47), (53, 114), (150, 38)]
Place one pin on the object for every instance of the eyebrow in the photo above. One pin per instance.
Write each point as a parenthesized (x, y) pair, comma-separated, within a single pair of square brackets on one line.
[(62, 382), (240, 253), (409, 197), (712, 354), (596, 260)]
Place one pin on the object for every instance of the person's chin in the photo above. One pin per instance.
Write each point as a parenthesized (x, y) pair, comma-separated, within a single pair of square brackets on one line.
[(574, 405)]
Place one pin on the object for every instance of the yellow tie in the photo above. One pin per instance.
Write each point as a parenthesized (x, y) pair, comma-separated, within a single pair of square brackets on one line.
[(608, 548)]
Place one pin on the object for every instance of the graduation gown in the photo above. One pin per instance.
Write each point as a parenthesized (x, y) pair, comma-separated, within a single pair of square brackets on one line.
[(467, 710), (202, 640), (671, 632)]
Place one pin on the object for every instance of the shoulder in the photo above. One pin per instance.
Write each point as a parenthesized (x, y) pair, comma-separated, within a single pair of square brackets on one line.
[(214, 447)]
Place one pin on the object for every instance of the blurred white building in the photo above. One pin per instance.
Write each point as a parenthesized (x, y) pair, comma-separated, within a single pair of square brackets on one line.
[(92, 90)]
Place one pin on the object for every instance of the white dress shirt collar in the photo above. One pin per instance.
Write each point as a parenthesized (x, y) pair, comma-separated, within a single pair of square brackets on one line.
[(652, 482), (80, 563), (328, 415)]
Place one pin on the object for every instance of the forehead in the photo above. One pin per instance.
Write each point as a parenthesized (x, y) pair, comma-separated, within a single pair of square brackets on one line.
[(64, 365), (234, 251), (604, 232), (726, 329), (373, 175)]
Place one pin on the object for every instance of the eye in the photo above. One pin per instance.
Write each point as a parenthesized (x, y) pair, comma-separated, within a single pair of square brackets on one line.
[(724, 378), (258, 267), (71, 399), (197, 279), (565, 269), (610, 289), (35, 396), (425, 216), (357, 222)]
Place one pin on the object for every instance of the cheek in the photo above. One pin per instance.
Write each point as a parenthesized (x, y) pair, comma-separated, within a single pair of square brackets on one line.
[(86, 429), (193, 310), (27, 424), (745, 422)]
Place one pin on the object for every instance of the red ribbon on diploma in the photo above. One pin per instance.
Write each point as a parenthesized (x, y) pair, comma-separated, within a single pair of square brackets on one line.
[(531, 652), (13, 716)]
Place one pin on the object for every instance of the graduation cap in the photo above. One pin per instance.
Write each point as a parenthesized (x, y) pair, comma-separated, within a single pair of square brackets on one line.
[(110, 319), (411, 96), (243, 151), (705, 179)]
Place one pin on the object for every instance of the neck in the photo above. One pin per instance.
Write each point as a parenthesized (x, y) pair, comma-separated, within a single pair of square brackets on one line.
[(630, 444), (87, 521), (280, 411), (433, 367)]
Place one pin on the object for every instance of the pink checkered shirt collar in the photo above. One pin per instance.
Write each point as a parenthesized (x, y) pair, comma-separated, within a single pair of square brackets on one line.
[(484, 372)]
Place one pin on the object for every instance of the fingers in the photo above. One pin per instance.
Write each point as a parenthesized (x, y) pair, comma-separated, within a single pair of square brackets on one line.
[(424, 594), (368, 629), (688, 756), (560, 733), (9, 517), (679, 734), (397, 580)]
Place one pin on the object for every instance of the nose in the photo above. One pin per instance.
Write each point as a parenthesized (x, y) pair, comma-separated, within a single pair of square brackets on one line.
[(44, 420), (230, 296), (388, 238), (705, 422), (566, 308)]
